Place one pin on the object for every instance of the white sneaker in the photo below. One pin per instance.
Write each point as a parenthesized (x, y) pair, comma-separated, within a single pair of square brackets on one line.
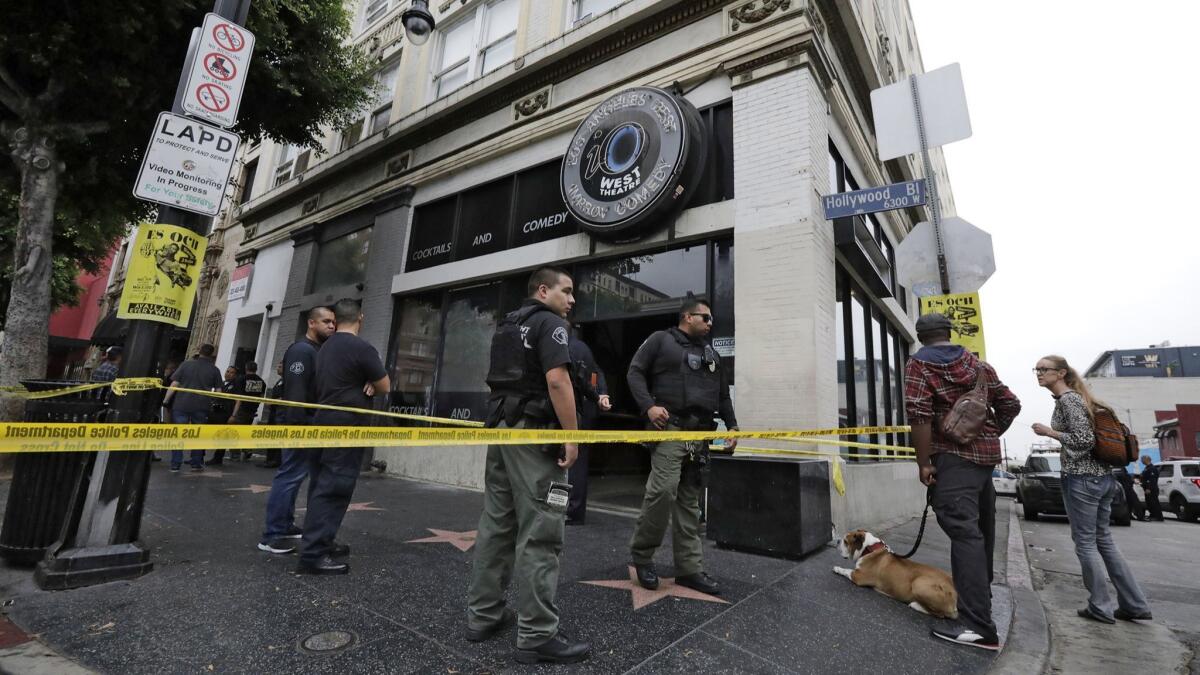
[(278, 547), (968, 637)]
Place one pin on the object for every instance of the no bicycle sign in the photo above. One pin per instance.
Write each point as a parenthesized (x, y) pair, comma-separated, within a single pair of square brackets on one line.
[(218, 74)]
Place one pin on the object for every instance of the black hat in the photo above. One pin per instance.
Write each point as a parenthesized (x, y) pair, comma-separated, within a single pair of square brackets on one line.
[(113, 352), (931, 322)]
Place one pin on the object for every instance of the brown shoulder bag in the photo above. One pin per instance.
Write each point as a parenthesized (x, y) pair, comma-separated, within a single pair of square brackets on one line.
[(969, 414), (1115, 446)]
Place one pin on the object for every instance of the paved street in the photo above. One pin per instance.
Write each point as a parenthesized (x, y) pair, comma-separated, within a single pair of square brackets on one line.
[(214, 603), (1164, 556)]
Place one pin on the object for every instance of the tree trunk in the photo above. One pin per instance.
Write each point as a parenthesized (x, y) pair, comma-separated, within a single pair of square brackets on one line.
[(26, 333)]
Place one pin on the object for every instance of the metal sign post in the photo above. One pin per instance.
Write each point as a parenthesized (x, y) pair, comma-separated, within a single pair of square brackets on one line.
[(99, 541), (935, 205)]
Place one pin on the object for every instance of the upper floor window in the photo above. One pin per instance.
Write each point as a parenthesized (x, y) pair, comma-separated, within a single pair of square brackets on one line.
[(376, 10), (477, 45), (584, 10), (378, 113), (290, 161)]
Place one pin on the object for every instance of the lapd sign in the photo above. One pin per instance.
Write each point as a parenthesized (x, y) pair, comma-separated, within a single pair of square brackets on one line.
[(187, 165), (633, 162)]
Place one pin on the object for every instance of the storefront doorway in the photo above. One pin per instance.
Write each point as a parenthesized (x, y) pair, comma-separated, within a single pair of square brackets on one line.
[(617, 472)]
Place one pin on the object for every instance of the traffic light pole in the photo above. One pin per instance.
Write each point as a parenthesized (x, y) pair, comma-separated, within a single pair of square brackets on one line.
[(99, 542)]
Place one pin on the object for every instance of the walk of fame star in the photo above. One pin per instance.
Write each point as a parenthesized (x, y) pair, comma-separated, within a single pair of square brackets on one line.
[(253, 489), (459, 540), (643, 596)]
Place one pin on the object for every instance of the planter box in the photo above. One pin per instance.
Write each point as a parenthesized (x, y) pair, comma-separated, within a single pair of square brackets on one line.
[(776, 507)]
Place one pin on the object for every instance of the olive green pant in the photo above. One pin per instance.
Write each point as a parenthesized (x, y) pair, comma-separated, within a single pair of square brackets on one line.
[(672, 495), (518, 526)]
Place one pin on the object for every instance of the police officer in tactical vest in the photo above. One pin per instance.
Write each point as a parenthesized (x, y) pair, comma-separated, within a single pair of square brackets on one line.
[(525, 486), (679, 383)]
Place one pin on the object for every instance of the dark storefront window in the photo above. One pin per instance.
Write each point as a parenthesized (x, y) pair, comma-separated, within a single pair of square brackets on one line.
[(471, 316), (413, 354), (527, 207), (432, 237), (643, 284), (441, 340), (539, 213), (872, 394), (483, 220), (343, 260)]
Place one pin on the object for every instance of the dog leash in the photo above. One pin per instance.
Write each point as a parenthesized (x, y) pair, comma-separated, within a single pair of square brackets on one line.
[(924, 518)]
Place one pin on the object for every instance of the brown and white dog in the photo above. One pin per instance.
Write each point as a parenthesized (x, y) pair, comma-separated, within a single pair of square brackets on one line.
[(926, 589)]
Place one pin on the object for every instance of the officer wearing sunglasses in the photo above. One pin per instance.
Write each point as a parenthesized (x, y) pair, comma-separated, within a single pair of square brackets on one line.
[(678, 382)]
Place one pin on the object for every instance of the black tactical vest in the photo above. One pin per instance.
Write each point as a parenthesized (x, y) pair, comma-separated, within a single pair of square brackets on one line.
[(509, 371)]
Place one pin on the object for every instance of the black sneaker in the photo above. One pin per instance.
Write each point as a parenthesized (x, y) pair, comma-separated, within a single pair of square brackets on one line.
[(558, 649), (174, 469), (1087, 613), (337, 550), (276, 546), (197, 468), (325, 565), (699, 582), (293, 532), (647, 576), (965, 636), (481, 634)]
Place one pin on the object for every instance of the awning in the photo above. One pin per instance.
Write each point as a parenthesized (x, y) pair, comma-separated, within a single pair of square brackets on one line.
[(110, 331)]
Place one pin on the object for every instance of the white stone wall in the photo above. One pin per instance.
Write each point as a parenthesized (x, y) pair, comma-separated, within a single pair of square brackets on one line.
[(1136, 398)]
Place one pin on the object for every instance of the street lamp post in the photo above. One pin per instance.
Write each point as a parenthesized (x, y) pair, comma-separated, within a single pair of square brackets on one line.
[(418, 22)]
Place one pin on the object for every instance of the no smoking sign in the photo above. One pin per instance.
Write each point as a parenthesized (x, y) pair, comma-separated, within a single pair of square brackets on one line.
[(218, 74)]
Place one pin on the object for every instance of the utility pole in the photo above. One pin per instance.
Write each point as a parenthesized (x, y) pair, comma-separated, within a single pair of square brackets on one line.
[(99, 539)]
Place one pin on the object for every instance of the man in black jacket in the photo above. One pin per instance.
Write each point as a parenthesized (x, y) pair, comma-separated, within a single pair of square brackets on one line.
[(591, 397), (1149, 480), (679, 383), (299, 384)]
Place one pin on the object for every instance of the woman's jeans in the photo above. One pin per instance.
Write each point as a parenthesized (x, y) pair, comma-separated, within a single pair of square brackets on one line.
[(1089, 504)]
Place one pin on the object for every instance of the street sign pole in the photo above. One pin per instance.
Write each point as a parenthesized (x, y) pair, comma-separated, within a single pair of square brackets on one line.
[(99, 542), (935, 205)]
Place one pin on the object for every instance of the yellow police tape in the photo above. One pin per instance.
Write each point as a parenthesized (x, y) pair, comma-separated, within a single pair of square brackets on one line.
[(19, 437), (124, 385)]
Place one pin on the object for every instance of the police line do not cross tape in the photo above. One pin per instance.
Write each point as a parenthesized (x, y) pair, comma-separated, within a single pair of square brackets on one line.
[(17, 437)]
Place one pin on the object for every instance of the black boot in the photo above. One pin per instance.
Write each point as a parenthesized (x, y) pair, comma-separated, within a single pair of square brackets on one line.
[(507, 619), (647, 576), (699, 582), (558, 649)]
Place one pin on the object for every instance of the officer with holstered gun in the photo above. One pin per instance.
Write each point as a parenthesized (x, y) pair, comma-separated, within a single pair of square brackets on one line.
[(525, 486), (679, 384)]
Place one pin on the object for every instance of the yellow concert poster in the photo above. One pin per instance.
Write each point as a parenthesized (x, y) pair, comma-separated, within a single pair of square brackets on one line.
[(163, 274), (966, 318)]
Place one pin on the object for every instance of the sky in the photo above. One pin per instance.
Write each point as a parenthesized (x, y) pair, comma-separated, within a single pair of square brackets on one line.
[(1083, 154)]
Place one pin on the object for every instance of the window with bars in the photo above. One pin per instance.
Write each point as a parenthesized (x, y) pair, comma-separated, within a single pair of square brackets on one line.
[(477, 45)]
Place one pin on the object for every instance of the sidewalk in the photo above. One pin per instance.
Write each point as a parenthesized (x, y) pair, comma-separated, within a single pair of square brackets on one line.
[(216, 604)]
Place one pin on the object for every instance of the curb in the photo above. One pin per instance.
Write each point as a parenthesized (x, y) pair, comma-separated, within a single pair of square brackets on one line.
[(1027, 649), (22, 653)]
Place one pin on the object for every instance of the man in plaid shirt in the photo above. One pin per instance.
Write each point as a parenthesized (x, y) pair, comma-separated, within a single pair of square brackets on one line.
[(960, 476), (107, 370)]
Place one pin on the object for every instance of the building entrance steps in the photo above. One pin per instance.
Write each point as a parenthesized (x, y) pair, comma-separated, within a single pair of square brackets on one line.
[(214, 602)]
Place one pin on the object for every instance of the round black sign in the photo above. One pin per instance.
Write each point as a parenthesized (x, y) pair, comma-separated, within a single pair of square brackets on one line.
[(634, 161)]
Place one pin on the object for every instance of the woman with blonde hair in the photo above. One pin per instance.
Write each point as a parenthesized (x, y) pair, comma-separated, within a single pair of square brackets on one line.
[(1088, 490)]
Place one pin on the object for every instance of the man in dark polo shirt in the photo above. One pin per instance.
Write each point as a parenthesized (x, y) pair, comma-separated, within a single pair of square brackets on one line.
[(186, 408), (349, 373)]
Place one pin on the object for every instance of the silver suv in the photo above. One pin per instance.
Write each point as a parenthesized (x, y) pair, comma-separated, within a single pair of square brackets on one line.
[(1179, 488)]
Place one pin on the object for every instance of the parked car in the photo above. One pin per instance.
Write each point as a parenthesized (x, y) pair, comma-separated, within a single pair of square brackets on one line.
[(1039, 490), (1179, 488), (1004, 482)]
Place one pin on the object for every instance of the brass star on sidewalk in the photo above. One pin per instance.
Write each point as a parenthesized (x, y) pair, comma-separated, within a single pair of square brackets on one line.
[(254, 489), (643, 596), (459, 540)]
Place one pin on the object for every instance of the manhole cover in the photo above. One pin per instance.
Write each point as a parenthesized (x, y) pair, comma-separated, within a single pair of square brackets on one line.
[(329, 641)]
